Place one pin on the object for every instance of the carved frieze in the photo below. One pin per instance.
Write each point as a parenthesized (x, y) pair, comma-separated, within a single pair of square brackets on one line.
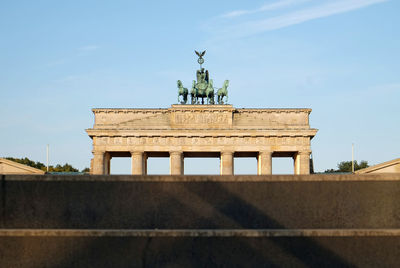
[(207, 127), (198, 116), (203, 141), (201, 119)]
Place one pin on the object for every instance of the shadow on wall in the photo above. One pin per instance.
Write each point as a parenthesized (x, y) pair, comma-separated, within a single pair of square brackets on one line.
[(222, 208), (196, 251)]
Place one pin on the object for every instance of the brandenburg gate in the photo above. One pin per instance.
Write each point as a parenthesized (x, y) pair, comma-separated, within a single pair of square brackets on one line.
[(201, 130)]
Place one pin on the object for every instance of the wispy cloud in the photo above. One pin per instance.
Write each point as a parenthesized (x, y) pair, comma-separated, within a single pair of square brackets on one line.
[(88, 48), (316, 11), (267, 7)]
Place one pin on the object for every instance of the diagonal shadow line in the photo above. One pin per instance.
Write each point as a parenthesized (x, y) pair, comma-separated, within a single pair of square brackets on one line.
[(313, 254), (204, 252), (305, 249)]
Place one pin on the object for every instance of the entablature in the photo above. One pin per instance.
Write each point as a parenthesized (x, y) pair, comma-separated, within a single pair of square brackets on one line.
[(203, 133), (201, 117)]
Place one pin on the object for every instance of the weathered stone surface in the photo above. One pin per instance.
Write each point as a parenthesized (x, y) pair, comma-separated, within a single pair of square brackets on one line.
[(11, 167), (392, 166), (200, 221), (201, 202), (61, 251), (199, 232), (201, 128)]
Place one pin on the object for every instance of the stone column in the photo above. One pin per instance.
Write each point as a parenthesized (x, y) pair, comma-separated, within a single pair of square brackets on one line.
[(137, 163), (176, 163), (98, 163), (145, 158), (91, 166), (182, 165), (264, 162), (226, 163), (302, 163), (107, 163)]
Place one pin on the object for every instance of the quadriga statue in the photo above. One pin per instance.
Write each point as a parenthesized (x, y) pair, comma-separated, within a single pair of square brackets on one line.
[(202, 87), (193, 93), (182, 91), (210, 92), (223, 92)]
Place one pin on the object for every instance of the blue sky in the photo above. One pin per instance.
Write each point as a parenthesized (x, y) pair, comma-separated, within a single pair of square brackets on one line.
[(59, 59)]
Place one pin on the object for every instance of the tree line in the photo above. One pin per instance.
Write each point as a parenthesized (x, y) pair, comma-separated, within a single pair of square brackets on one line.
[(345, 166), (36, 164)]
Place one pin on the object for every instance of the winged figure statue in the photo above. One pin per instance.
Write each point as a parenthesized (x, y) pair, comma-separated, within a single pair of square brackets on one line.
[(200, 54)]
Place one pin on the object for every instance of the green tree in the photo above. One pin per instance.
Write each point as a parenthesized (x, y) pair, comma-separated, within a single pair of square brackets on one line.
[(65, 168), (345, 166), (28, 162), (58, 168), (85, 170)]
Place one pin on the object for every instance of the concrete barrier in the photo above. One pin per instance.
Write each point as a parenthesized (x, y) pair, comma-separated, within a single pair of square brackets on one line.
[(200, 221), (131, 251), (200, 202)]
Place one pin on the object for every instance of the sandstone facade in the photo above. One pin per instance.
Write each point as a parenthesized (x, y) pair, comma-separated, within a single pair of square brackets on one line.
[(201, 131), (11, 167), (392, 166)]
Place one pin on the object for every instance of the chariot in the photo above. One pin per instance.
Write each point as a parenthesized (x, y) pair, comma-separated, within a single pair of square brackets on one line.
[(202, 87)]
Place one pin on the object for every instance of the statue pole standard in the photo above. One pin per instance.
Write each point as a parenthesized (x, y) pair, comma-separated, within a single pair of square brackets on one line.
[(200, 60), (202, 81)]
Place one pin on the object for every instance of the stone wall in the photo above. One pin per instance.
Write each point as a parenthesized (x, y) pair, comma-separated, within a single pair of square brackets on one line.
[(129, 202), (192, 221), (45, 251)]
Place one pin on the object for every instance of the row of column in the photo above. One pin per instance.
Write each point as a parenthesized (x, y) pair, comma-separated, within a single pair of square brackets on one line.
[(101, 163)]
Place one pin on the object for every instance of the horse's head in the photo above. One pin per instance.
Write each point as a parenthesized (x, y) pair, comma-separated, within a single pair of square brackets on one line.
[(226, 83), (179, 83)]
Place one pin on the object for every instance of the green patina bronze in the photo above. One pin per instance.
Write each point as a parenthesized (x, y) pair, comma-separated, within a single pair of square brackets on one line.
[(202, 87), (210, 92), (182, 91), (223, 92)]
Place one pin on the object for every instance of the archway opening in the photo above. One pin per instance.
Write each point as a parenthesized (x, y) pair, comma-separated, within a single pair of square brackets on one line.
[(283, 163), (157, 163), (120, 165), (200, 163), (245, 163)]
